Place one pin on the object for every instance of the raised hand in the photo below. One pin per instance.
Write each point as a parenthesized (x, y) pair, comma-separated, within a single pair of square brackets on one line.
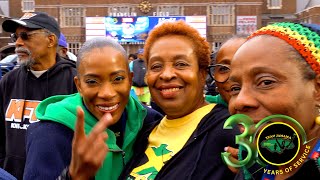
[(88, 151)]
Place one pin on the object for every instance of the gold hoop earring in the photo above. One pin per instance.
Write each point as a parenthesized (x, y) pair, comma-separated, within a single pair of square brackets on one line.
[(318, 117)]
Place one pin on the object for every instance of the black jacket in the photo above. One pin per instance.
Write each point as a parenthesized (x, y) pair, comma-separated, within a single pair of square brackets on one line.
[(21, 90), (200, 158)]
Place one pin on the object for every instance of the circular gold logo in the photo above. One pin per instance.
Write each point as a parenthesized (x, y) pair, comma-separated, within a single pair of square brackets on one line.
[(278, 143)]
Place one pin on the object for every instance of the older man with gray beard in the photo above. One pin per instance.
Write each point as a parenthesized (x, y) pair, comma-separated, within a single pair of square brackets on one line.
[(42, 74)]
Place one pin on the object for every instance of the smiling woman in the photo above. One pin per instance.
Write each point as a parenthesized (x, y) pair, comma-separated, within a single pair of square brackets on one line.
[(94, 127), (187, 143)]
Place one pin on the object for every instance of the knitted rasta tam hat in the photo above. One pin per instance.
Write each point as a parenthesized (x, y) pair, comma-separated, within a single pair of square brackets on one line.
[(305, 38)]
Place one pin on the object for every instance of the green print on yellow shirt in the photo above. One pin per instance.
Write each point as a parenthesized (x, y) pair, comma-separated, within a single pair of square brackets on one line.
[(157, 157), (166, 140)]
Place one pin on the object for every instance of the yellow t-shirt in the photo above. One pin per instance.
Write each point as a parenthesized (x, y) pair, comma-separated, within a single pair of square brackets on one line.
[(166, 140)]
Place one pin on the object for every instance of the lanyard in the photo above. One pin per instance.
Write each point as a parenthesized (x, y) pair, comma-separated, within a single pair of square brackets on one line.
[(315, 153), (267, 176)]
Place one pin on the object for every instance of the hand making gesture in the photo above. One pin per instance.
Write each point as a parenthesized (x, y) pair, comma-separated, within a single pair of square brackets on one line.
[(88, 151)]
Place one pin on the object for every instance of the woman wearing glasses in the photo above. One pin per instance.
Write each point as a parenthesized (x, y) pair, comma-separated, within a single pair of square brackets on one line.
[(220, 70)]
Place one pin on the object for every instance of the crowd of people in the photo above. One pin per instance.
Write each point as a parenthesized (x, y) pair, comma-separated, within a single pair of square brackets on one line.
[(106, 115)]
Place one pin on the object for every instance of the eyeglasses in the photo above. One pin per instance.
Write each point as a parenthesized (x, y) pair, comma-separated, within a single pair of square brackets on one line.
[(24, 35), (219, 72)]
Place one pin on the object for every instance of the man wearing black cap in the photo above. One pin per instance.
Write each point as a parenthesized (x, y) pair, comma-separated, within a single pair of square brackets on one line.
[(42, 74)]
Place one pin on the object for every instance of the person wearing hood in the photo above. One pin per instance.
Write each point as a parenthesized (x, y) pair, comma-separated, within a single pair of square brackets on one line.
[(72, 142), (42, 74)]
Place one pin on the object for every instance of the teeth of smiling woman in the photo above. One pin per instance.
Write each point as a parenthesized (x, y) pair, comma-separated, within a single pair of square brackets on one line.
[(170, 90), (108, 108)]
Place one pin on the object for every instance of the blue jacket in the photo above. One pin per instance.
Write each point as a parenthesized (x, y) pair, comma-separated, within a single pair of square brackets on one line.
[(4, 175)]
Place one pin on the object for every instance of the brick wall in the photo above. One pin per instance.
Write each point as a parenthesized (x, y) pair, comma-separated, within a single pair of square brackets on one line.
[(191, 7)]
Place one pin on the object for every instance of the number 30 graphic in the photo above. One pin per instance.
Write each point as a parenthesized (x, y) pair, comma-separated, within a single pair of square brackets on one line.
[(246, 140)]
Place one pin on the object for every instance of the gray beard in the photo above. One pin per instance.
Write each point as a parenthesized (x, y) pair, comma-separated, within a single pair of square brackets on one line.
[(26, 62), (29, 61)]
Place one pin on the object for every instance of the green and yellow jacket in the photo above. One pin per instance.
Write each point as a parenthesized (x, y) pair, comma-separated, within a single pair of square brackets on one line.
[(49, 141)]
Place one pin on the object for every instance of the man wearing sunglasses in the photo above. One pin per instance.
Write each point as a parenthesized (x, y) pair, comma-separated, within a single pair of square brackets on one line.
[(42, 74)]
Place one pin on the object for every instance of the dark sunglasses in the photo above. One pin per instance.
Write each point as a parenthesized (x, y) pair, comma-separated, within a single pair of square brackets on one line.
[(219, 72), (24, 35)]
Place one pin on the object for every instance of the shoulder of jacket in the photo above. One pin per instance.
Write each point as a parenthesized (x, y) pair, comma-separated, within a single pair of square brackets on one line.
[(220, 109), (12, 75), (216, 117), (49, 129), (154, 113)]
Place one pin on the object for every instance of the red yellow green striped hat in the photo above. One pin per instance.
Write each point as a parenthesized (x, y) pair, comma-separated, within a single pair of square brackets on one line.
[(303, 37)]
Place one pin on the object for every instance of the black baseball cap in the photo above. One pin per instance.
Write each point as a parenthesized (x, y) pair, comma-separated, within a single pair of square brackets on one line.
[(34, 20)]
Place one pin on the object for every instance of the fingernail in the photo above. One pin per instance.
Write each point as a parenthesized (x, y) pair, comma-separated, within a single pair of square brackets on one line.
[(225, 148), (107, 115)]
